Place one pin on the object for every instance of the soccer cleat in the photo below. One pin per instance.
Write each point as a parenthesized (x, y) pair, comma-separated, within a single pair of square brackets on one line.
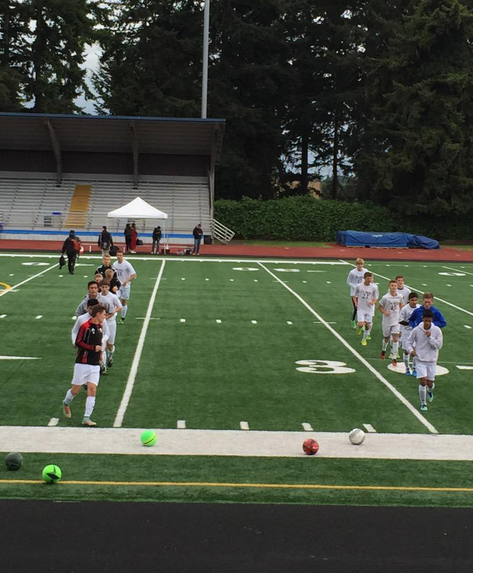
[(66, 410), (364, 342), (88, 422), (430, 396), (383, 354), (369, 336), (414, 373), (408, 372), (103, 370), (423, 408), (121, 320), (353, 323), (394, 362), (109, 362), (358, 330)]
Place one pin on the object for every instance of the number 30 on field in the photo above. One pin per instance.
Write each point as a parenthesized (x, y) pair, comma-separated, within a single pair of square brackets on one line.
[(324, 367)]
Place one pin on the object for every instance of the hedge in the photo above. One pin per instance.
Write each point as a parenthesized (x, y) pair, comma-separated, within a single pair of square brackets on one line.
[(309, 219)]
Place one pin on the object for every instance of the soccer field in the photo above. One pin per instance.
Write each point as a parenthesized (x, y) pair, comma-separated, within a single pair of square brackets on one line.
[(234, 345)]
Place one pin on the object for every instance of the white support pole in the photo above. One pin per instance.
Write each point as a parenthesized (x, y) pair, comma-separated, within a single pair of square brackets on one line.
[(205, 58)]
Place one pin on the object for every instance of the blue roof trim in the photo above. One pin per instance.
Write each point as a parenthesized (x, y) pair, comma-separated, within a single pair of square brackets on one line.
[(113, 117)]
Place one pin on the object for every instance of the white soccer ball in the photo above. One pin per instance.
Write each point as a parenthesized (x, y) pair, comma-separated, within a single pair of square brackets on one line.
[(357, 436)]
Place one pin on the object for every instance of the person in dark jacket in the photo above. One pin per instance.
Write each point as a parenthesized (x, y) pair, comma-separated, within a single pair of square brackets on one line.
[(71, 247), (156, 238), (127, 237), (105, 240), (198, 233)]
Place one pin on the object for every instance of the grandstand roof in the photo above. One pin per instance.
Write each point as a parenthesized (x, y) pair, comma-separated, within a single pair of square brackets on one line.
[(106, 133)]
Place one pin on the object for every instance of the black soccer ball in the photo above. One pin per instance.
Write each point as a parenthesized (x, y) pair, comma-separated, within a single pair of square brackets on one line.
[(13, 461)]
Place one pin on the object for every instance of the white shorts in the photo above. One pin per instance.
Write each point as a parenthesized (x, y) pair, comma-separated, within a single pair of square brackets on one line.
[(363, 316), (124, 292), (85, 373), (425, 369), (405, 334), (112, 325), (392, 329)]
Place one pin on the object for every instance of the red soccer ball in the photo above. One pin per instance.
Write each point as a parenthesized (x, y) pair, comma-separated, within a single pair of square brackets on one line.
[(310, 447)]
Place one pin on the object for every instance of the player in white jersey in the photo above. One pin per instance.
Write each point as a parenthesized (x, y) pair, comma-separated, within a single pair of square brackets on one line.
[(365, 297), (402, 289), (426, 340), (355, 276), (126, 274), (92, 302), (390, 306), (406, 330), (112, 304)]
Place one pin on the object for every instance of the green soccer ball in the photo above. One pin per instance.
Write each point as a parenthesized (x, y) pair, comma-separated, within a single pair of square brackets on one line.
[(13, 461), (52, 474), (148, 438)]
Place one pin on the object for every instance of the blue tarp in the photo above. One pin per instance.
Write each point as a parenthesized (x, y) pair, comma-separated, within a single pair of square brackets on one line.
[(384, 240)]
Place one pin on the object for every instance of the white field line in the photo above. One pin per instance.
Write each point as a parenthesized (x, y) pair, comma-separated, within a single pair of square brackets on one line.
[(458, 271), (369, 428), (190, 442), (137, 356), (379, 376), (195, 260), (28, 279), (421, 291)]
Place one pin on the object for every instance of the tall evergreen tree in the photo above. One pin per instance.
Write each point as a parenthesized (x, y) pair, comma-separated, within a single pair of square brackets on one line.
[(417, 149)]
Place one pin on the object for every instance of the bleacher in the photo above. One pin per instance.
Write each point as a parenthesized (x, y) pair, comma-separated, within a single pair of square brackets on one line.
[(38, 204)]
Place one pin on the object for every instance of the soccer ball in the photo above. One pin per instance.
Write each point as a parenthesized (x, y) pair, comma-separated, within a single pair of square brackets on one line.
[(52, 474), (14, 461), (357, 436), (310, 447)]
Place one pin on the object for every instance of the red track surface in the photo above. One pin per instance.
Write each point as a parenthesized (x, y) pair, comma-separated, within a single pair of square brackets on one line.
[(236, 249)]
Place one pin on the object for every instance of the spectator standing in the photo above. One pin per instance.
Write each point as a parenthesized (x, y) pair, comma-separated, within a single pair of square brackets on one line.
[(127, 236), (133, 238), (156, 239), (71, 247), (105, 241), (198, 233)]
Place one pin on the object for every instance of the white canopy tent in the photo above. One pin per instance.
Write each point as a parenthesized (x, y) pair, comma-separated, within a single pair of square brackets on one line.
[(138, 209)]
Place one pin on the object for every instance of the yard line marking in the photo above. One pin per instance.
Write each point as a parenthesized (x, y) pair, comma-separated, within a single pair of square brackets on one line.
[(181, 424), (11, 275), (255, 280), (231, 280), (465, 367), (244, 426), (289, 322), (183, 319), (3, 315), (448, 285), (458, 270), (307, 427), (144, 318), (137, 356), (253, 321), (305, 282), (29, 279), (467, 326), (206, 279), (218, 321), (369, 428), (182, 279), (422, 292), (74, 317), (19, 358), (53, 422), (39, 316), (320, 322), (379, 376)]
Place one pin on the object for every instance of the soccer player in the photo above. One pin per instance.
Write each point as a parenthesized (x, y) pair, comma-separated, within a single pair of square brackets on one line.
[(365, 297), (427, 304), (93, 292), (114, 283), (126, 274), (426, 340), (106, 265), (406, 330), (402, 289), (92, 302), (355, 277), (88, 342), (390, 306), (112, 304)]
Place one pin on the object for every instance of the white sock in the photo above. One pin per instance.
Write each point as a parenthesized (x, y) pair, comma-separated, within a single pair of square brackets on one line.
[(69, 397), (89, 407), (422, 393), (406, 360), (395, 347), (124, 311), (366, 333), (384, 345), (110, 353)]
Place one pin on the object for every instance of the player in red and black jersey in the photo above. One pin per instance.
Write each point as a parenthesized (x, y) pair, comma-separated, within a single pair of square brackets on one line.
[(88, 359)]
